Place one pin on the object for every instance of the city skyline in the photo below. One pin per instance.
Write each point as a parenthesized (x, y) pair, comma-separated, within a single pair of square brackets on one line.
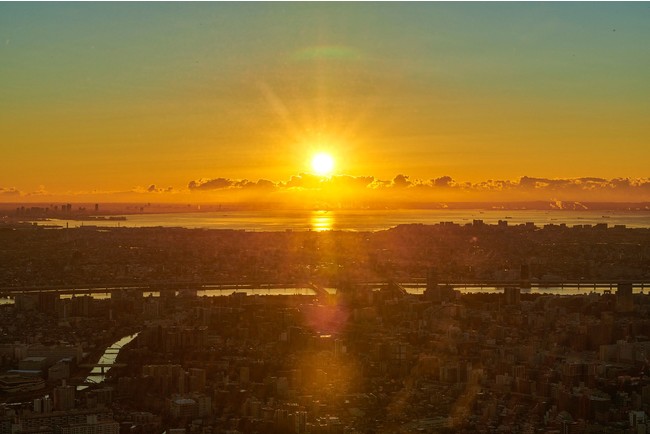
[(182, 102)]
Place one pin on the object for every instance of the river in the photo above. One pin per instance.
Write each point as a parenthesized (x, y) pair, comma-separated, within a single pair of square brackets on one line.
[(109, 357)]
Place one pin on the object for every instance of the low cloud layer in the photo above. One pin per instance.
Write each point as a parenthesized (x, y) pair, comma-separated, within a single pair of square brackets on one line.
[(346, 190), (223, 183), (9, 191), (403, 190), (444, 184)]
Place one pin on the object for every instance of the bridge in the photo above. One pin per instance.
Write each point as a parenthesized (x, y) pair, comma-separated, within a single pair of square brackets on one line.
[(397, 288), (484, 283), (321, 293), (413, 284), (103, 366), (94, 288)]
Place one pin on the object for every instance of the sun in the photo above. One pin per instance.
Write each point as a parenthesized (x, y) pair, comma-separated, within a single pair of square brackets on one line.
[(322, 163)]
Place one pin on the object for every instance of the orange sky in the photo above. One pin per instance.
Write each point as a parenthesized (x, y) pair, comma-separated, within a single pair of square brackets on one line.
[(102, 101)]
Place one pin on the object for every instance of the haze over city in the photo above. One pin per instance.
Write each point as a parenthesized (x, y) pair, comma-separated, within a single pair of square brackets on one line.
[(232, 102)]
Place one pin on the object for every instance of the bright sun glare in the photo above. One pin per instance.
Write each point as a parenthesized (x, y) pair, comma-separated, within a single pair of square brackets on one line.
[(322, 163)]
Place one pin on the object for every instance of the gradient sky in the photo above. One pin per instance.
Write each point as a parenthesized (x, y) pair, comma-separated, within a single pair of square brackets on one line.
[(115, 96)]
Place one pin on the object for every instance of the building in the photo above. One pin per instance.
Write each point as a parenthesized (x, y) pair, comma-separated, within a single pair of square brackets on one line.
[(59, 371), (197, 378), (624, 300), (183, 408), (13, 383), (33, 364), (32, 421), (512, 296), (64, 397), (190, 406), (55, 353), (91, 426)]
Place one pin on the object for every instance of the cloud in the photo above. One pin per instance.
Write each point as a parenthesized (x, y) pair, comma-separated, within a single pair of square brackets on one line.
[(207, 184), (263, 184), (443, 181), (526, 187), (210, 184), (40, 192), (401, 181), (306, 180), (303, 181), (154, 189), (12, 191), (351, 181), (587, 183), (401, 190)]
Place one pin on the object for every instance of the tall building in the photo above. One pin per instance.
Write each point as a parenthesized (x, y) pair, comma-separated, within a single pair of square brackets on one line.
[(512, 295), (433, 290), (624, 300), (64, 397), (197, 379), (524, 276)]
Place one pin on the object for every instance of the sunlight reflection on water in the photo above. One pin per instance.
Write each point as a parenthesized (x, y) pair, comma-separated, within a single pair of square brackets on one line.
[(322, 221)]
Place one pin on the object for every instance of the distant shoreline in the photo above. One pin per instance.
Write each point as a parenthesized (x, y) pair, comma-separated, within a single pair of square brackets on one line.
[(88, 210), (353, 220)]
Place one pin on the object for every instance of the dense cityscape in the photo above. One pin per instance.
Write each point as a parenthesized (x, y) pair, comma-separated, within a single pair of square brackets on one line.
[(420, 328)]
